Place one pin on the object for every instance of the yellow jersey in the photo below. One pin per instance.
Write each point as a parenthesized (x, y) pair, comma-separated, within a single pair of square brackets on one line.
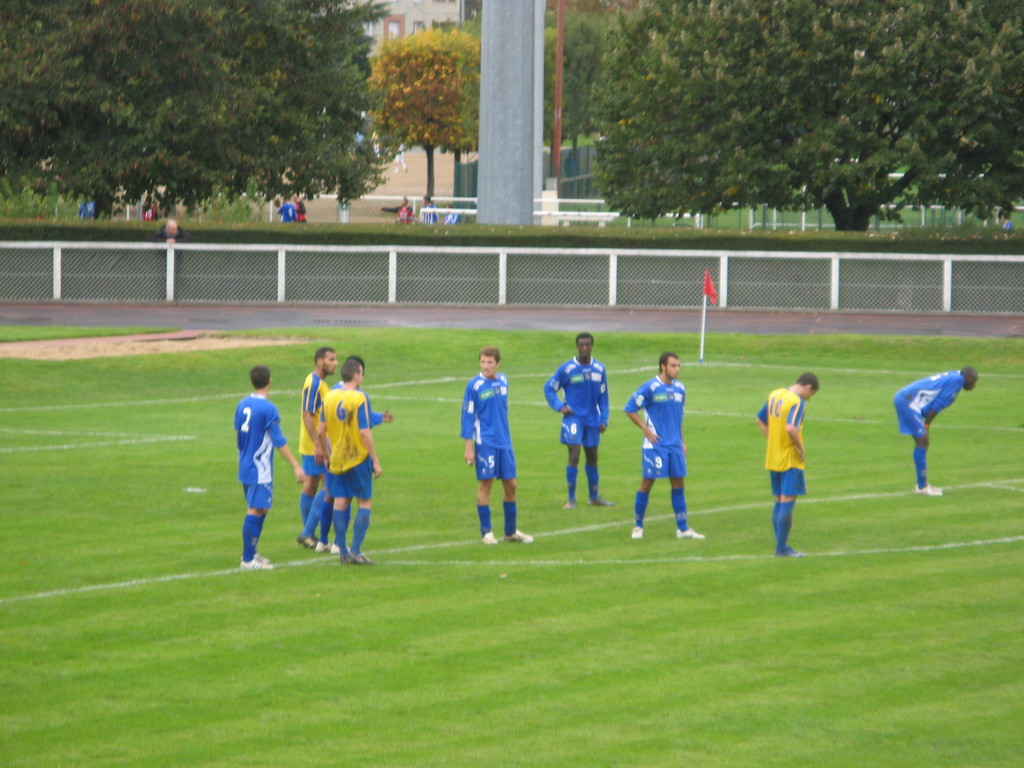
[(314, 389), (345, 412), (783, 407)]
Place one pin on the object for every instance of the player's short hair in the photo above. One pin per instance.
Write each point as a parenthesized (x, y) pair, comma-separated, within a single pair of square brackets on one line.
[(321, 353), (969, 373), (665, 357), (358, 359), (259, 376), (584, 335), (350, 368), (809, 378), (491, 352)]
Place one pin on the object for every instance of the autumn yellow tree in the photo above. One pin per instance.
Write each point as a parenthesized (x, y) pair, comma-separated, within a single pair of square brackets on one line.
[(426, 91)]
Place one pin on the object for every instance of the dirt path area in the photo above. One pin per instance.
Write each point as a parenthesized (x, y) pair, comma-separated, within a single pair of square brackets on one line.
[(117, 346)]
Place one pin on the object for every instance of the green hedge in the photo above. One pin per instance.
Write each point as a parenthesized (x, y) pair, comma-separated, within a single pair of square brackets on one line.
[(479, 235)]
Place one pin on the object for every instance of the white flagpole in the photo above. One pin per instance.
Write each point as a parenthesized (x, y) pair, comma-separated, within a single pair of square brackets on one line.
[(703, 324)]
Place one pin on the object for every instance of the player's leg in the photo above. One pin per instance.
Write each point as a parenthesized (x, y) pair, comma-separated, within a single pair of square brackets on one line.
[(921, 467), (591, 441), (258, 500), (572, 434), (791, 486), (643, 498)]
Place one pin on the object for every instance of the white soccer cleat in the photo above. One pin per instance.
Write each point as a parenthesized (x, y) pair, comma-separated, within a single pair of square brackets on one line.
[(335, 549), (323, 546), (689, 533), (638, 532), (928, 490), (519, 538), (489, 538), (261, 564)]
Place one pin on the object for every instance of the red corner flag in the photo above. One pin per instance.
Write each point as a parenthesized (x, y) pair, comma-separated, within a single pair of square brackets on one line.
[(709, 287)]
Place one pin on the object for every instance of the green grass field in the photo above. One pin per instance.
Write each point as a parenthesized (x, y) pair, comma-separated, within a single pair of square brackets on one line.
[(131, 638)]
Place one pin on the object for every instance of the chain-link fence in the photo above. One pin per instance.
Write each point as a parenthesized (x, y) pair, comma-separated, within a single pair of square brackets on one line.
[(113, 272)]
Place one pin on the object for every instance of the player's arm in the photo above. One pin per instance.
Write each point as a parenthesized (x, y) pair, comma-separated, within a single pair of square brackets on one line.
[(794, 435), (603, 404), (286, 452), (648, 433), (762, 420), (466, 431), (551, 387), (310, 423), (366, 433), (320, 436)]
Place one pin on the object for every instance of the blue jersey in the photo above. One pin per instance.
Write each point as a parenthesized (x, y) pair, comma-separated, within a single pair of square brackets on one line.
[(585, 388), (929, 396), (663, 406), (485, 412), (258, 429)]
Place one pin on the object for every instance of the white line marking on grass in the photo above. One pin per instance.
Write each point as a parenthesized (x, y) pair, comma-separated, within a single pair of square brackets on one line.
[(99, 444), (473, 542)]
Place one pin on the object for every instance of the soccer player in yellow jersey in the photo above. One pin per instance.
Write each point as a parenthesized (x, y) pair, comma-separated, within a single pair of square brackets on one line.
[(346, 423), (311, 502), (782, 422)]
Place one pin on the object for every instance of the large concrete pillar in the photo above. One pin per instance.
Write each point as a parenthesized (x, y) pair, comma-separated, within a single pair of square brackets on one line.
[(505, 186)]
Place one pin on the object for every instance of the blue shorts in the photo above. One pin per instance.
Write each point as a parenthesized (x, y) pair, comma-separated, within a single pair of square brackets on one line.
[(357, 483), (788, 483), (259, 495), (310, 467), (663, 462), (495, 462), (574, 433), (911, 422)]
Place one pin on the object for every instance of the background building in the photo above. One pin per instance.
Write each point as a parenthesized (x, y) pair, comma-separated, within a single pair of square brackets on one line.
[(406, 17)]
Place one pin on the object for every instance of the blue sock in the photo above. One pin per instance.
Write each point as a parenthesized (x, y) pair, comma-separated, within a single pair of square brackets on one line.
[(921, 465), (679, 507), (640, 508), (571, 473), (341, 521), (326, 518), (315, 512), (593, 479), (784, 525), (305, 502), (483, 511), (359, 529), (775, 519), (509, 508), (251, 527)]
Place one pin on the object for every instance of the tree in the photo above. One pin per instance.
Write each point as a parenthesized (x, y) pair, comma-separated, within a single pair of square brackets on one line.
[(852, 105), (427, 91), (117, 99)]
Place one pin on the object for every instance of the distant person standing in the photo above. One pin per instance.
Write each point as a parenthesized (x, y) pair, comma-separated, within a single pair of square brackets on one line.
[(584, 384), (300, 210), (258, 433), (171, 233), (485, 429), (345, 434), (781, 420), (399, 161), (287, 212), (918, 404), (663, 451), (150, 214)]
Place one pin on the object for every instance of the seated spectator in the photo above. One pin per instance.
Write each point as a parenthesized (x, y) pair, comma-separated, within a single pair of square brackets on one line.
[(428, 214), (405, 214), (452, 218)]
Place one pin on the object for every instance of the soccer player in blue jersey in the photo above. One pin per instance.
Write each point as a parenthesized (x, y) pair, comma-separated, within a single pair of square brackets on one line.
[(663, 452), (489, 444), (782, 422), (311, 500), (258, 433), (345, 433), (584, 384), (918, 404)]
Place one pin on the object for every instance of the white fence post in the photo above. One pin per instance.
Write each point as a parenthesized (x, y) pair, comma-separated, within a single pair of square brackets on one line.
[(834, 300), (502, 278), (723, 280), (947, 285), (280, 274), (392, 276), (170, 273), (57, 258), (613, 280)]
